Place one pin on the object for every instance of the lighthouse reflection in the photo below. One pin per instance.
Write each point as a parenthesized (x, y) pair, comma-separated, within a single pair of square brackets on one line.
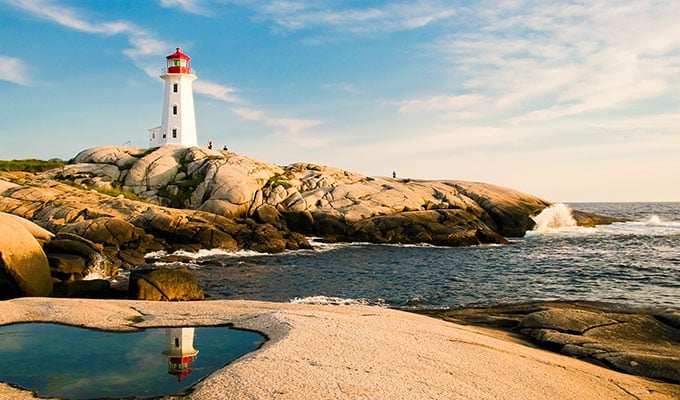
[(179, 348)]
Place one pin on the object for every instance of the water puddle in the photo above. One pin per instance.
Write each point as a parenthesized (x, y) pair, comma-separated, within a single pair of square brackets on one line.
[(75, 363)]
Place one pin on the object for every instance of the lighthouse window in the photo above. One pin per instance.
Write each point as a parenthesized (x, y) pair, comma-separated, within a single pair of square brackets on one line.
[(174, 133), (174, 87), (174, 110), (176, 342)]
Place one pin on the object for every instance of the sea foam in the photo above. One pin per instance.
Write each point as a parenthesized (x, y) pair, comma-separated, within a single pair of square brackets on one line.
[(337, 301), (555, 217)]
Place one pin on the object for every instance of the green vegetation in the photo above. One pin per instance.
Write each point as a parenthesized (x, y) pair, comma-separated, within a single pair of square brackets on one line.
[(114, 192), (30, 165), (181, 193), (278, 180)]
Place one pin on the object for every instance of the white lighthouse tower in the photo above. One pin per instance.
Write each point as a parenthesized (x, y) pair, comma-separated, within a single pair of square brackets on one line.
[(178, 125)]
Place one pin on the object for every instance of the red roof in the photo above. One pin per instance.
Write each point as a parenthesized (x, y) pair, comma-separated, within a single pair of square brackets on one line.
[(178, 54)]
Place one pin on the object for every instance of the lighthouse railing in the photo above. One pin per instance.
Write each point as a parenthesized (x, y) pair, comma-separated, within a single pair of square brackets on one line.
[(189, 71)]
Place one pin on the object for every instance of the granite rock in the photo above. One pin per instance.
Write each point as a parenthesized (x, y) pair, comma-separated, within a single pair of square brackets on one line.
[(24, 269), (165, 284), (340, 203)]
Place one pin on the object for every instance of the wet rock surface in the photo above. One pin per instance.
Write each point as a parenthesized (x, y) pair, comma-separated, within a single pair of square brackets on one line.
[(644, 342)]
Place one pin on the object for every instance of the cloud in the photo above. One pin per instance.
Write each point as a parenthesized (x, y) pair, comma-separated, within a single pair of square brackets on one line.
[(390, 16), (289, 125), (658, 124), (289, 129), (216, 91), (143, 43), (447, 103), (542, 61), (14, 70), (191, 6)]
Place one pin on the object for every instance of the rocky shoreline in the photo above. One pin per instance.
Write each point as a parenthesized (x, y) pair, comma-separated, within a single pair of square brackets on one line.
[(110, 206)]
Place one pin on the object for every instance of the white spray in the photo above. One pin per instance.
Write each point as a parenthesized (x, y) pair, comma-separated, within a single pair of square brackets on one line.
[(554, 217)]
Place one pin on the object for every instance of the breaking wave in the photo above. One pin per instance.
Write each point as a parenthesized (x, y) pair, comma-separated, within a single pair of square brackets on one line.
[(338, 301), (558, 220), (554, 218)]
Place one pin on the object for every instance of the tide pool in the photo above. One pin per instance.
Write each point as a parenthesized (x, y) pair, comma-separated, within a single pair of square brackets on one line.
[(77, 363)]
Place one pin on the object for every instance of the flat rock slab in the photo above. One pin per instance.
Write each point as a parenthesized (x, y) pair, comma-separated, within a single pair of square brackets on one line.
[(352, 352), (642, 342)]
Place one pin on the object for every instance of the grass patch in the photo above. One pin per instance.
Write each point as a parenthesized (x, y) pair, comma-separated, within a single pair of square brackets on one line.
[(30, 165), (278, 180), (114, 192)]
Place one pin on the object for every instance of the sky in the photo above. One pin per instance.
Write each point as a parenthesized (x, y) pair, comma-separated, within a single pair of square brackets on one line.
[(566, 100)]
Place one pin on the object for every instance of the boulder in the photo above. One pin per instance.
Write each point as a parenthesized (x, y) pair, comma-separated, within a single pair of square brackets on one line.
[(155, 170), (41, 234), (165, 284), (299, 221), (268, 214), (81, 173), (24, 269), (108, 154)]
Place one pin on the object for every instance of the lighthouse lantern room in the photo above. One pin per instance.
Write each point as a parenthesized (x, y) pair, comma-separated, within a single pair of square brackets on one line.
[(178, 123)]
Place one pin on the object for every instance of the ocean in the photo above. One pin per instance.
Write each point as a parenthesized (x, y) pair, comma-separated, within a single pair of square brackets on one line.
[(634, 263)]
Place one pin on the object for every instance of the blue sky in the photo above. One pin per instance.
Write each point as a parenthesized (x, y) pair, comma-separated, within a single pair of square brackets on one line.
[(570, 101)]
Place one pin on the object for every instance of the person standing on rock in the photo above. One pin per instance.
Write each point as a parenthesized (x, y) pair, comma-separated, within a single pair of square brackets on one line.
[(209, 144), (394, 174)]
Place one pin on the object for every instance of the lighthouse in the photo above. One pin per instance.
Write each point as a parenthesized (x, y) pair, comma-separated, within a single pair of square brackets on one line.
[(178, 123), (179, 348)]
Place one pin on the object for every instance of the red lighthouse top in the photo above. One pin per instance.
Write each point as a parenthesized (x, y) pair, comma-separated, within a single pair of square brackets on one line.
[(179, 63)]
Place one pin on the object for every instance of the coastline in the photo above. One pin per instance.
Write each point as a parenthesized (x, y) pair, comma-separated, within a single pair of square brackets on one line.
[(348, 352)]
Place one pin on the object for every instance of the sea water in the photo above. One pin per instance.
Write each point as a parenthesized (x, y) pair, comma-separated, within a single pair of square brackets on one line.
[(635, 263)]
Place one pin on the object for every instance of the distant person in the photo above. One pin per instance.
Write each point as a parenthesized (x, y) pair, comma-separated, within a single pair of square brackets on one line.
[(225, 148), (394, 174), (209, 144)]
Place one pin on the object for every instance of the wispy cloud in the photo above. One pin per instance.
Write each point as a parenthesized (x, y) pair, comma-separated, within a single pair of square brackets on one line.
[(448, 103), (547, 60), (14, 70), (216, 91), (191, 6), (290, 129), (295, 15), (143, 43)]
